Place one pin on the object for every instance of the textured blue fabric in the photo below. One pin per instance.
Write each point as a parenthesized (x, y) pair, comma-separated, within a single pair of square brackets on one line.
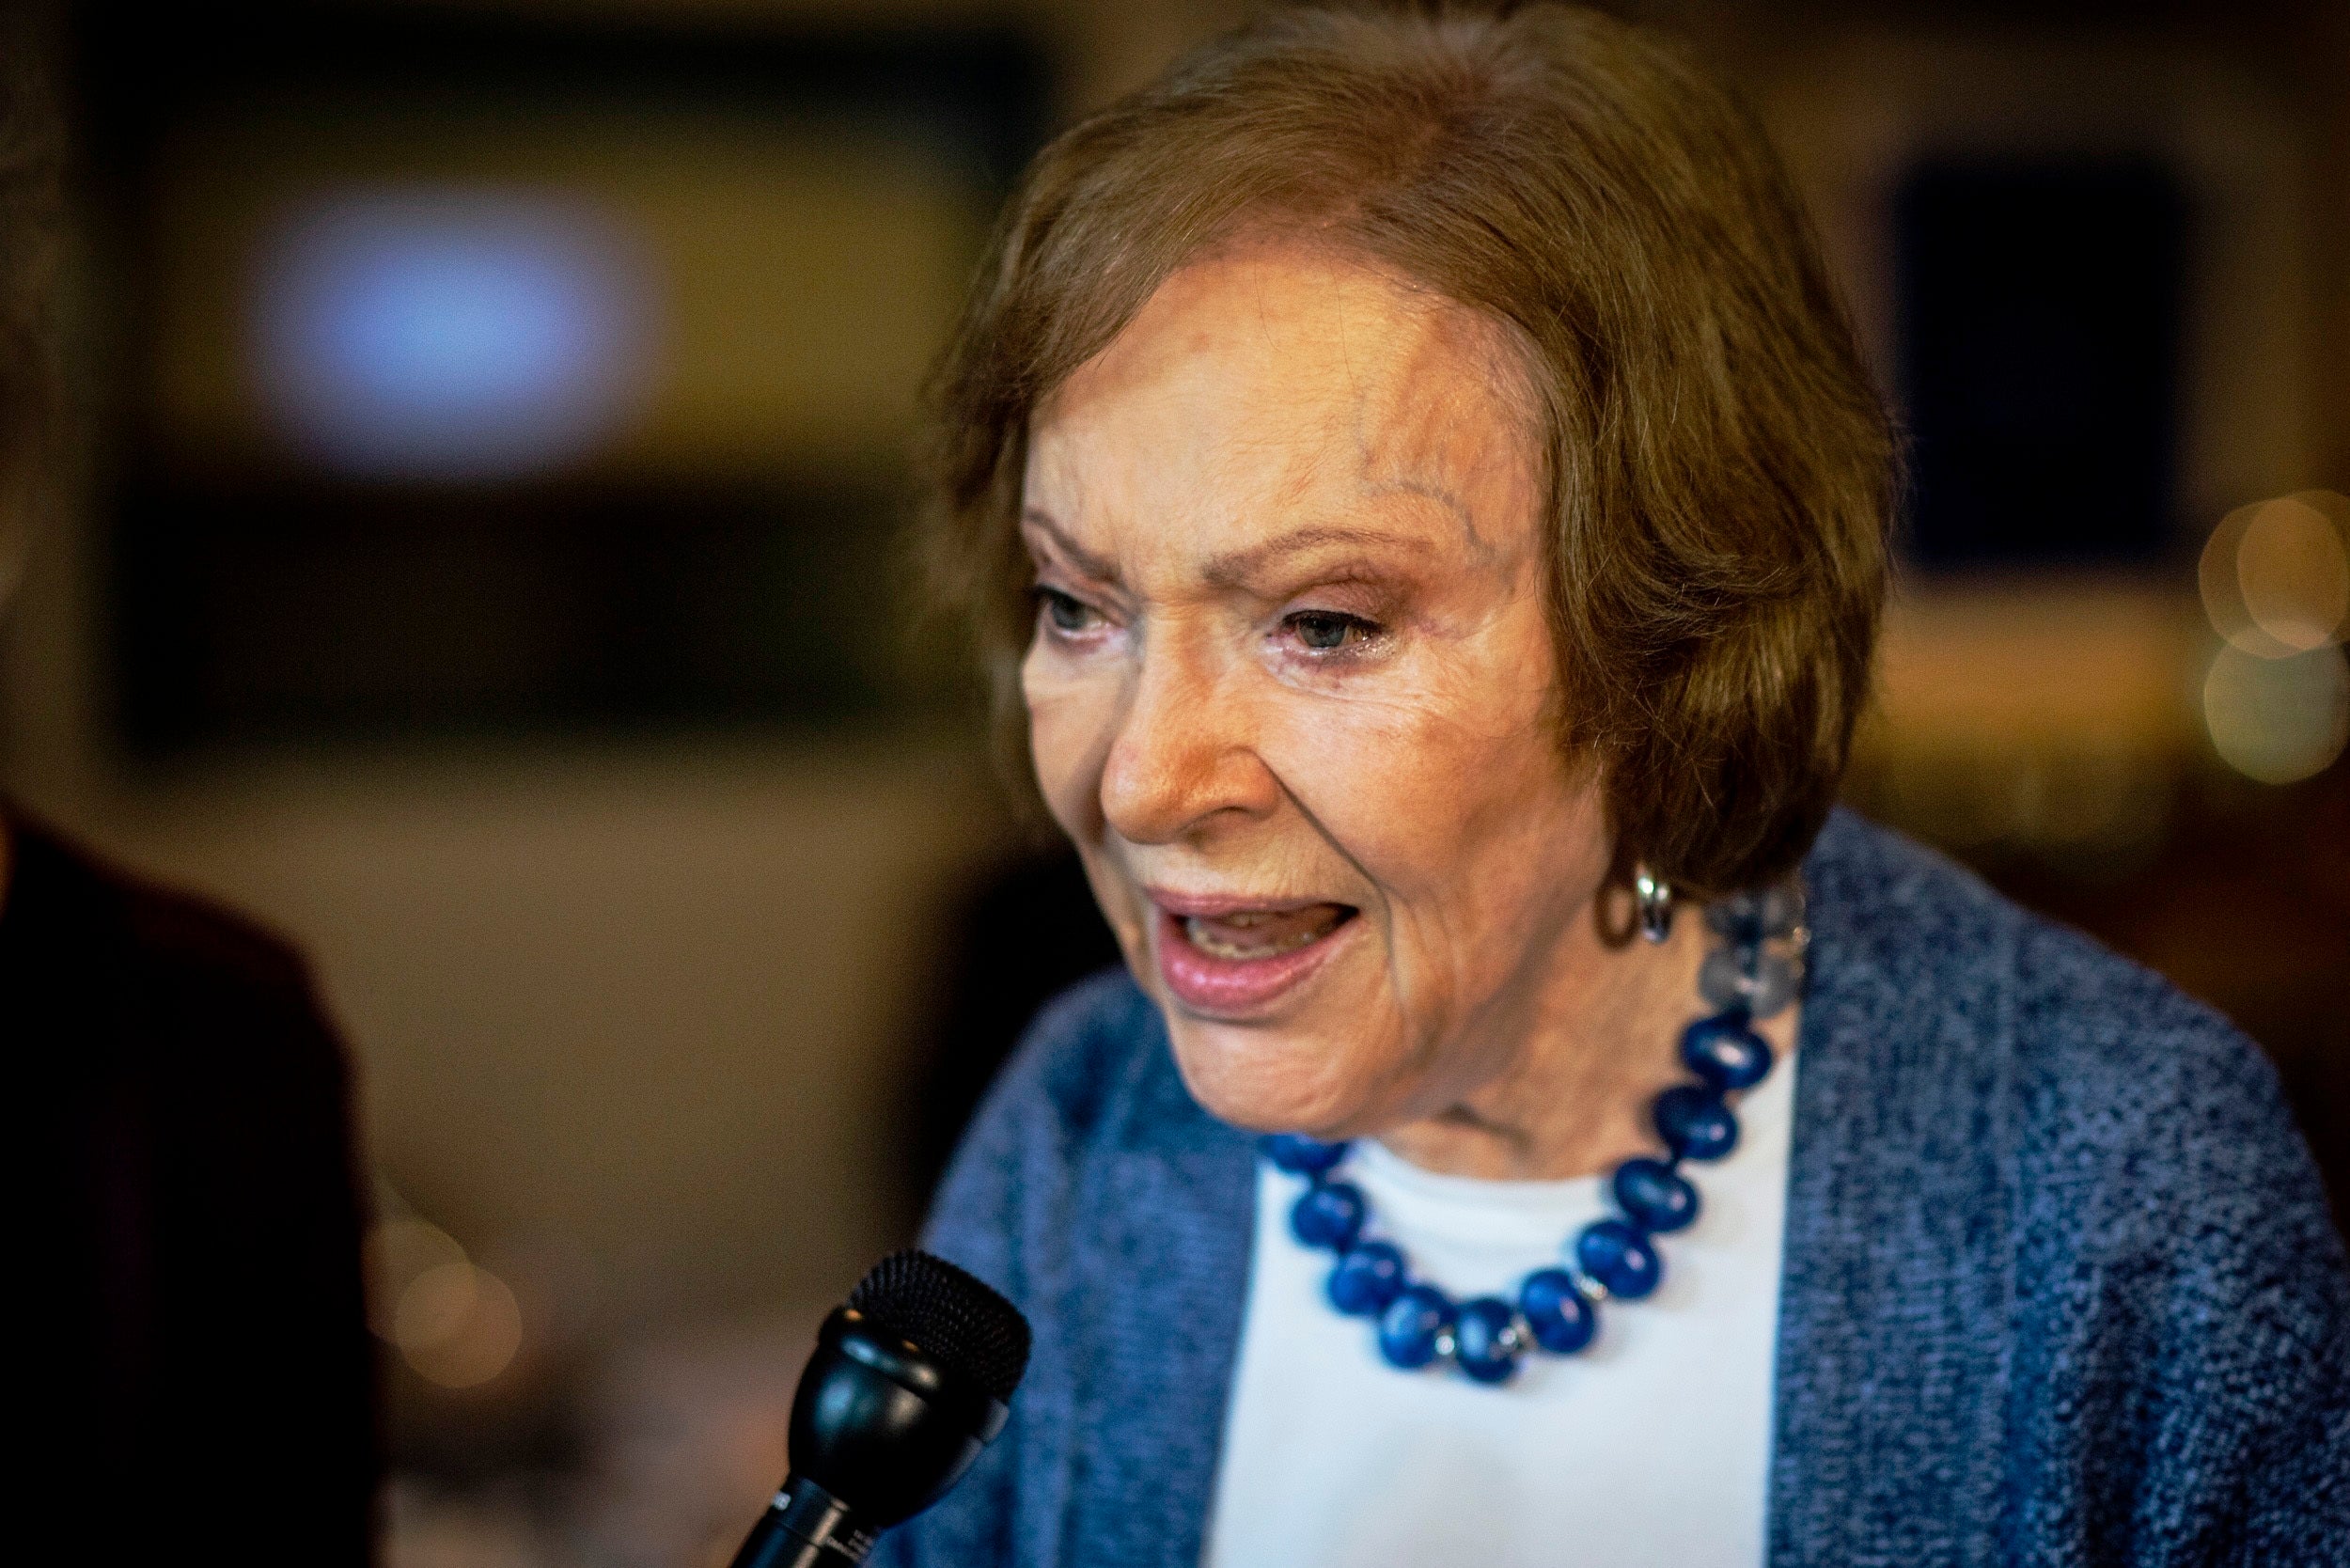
[(2060, 1285)]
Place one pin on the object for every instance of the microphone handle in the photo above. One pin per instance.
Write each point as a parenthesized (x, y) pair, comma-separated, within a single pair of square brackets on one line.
[(806, 1527)]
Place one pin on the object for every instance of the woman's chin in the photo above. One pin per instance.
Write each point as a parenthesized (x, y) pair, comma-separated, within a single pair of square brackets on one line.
[(1288, 1079)]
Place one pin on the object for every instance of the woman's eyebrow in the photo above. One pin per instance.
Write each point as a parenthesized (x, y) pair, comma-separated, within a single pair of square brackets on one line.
[(1083, 559), (1236, 568)]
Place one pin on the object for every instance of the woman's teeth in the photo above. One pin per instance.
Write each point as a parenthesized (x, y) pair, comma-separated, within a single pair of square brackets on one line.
[(1249, 933)]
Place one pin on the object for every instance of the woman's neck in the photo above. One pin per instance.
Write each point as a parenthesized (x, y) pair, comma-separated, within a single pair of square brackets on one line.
[(1571, 1096)]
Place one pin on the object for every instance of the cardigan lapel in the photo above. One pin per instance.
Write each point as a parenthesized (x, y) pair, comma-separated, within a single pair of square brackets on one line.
[(1162, 1305), (1895, 1289)]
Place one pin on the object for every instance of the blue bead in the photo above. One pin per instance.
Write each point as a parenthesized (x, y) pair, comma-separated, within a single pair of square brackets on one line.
[(1301, 1156), (1561, 1320), (1409, 1327), (1367, 1279), (1694, 1123), (1725, 1052), (1656, 1197), (1485, 1341), (1618, 1256), (1330, 1215)]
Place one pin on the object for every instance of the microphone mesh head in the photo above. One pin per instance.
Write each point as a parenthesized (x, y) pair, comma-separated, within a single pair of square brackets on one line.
[(958, 1319)]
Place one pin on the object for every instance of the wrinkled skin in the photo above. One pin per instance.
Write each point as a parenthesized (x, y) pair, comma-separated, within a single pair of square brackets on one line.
[(1292, 652)]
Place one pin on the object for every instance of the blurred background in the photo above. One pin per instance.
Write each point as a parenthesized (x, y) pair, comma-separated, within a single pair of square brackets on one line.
[(479, 557)]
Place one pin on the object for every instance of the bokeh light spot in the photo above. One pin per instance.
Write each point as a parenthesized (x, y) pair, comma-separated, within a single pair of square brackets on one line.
[(452, 335), (434, 1306), (2279, 719), (2276, 575), (2295, 574), (458, 1326)]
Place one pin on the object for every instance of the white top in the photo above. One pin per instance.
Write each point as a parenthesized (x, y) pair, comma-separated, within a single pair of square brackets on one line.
[(1650, 1445)]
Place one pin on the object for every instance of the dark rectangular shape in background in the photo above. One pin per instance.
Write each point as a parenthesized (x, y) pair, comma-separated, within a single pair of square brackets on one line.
[(2039, 310)]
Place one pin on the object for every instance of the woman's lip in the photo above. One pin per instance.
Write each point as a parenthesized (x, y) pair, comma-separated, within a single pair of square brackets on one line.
[(1234, 988), (1212, 906)]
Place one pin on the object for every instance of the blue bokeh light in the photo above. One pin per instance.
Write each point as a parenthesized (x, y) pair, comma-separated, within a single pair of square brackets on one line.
[(450, 334)]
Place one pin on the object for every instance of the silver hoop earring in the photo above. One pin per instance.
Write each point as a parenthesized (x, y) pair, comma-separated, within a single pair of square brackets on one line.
[(1654, 897)]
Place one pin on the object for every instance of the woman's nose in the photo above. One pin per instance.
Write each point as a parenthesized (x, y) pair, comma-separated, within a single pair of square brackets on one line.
[(1182, 761)]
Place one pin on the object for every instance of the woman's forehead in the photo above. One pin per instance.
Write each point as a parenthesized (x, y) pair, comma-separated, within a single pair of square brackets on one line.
[(1277, 379)]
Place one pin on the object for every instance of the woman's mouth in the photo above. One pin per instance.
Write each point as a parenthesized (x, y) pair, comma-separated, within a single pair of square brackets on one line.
[(1227, 959)]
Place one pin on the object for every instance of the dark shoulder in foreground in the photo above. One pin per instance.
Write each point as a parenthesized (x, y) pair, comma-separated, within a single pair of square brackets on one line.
[(120, 984), (84, 918), (191, 1124)]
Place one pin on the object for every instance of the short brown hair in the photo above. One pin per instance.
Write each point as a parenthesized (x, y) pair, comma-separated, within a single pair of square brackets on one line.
[(1720, 466)]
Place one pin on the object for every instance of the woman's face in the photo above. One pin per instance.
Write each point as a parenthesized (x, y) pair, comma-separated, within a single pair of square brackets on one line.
[(1292, 689)]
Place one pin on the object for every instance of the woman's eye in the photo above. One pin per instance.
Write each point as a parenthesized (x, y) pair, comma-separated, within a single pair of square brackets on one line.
[(1327, 631), (1065, 612)]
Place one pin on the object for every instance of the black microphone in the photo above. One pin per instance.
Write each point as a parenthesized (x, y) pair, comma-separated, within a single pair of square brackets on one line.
[(909, 1381)]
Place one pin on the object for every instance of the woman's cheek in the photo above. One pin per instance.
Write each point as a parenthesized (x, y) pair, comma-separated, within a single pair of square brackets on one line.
[(1071, 716), (1385, 775)]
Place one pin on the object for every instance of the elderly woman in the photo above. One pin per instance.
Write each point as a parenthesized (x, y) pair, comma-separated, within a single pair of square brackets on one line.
[(1417, 477)]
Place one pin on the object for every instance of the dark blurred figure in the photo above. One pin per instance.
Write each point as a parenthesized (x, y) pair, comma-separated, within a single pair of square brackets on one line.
[(205, 1373), (201, 1381)]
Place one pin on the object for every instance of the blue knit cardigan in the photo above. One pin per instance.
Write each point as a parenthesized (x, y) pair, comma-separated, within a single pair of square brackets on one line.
[(2060, 1285)]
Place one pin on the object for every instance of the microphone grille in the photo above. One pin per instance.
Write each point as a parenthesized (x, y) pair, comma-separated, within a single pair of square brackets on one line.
[(959, 1319)]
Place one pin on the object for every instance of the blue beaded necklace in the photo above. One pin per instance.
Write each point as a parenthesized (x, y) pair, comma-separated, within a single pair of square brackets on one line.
[(1752, 974)]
